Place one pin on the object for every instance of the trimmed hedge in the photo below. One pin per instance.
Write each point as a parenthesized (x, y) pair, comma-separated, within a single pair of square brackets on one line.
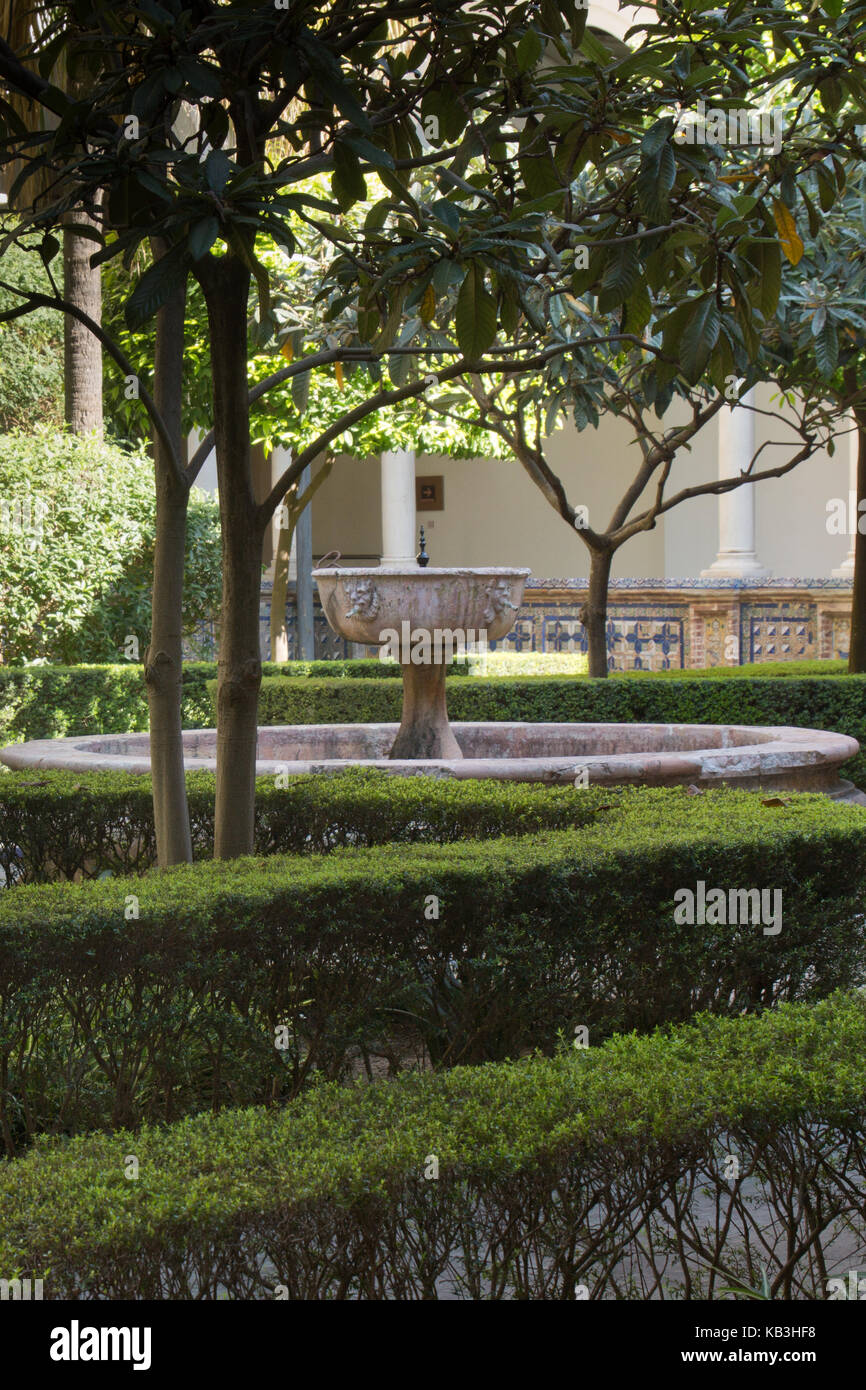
[(65, 825), (837, 704), (547, 1179), (107, 1018), (56, 701)]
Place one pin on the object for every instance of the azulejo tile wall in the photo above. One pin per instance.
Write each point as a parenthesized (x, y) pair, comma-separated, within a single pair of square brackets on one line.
[(662, 624)]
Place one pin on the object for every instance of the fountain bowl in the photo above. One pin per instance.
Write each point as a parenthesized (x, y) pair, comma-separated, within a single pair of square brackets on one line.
[(361, 604)]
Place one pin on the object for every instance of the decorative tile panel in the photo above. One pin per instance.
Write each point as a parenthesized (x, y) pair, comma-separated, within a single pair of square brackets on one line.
[(654, 624)]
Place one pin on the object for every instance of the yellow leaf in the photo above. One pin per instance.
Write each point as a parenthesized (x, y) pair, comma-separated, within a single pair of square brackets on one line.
[(338, 369), (428, 304), (618, 135), (788, 236), (286, 350)]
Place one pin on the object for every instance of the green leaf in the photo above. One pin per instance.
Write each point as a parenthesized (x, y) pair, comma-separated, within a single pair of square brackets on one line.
[(301, 391), (827, 349), (619, 277), (49, 248), (655, 181), (202, 236), (637, 310), (217, 170), (475, 315), (657, 137), (529, 50), (156, 285), (594, 49), (365, 149), (699, 337), (348, 183)]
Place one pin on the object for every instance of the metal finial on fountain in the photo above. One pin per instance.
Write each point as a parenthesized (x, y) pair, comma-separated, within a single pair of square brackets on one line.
[(422, 557)]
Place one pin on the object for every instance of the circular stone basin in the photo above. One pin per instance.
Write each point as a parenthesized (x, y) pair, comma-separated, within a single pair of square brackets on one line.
[(705, 755)]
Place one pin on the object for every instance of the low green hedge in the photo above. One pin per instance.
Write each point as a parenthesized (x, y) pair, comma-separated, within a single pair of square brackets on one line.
[(56, 701), (837, 704), (544, 1179), (454, 953), (67, 825)]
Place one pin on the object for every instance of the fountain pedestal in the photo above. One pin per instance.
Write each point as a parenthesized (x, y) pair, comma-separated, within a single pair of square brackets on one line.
[(423, 617), (424, 728)]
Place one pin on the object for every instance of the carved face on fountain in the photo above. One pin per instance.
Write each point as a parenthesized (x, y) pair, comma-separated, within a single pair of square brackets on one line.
[(447, 608)]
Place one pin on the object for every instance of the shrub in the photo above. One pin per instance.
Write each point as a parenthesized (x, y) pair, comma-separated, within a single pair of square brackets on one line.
[(31, 363), (76, 563), (458, 953), (550, 1174), (65, 825), (55, 701)]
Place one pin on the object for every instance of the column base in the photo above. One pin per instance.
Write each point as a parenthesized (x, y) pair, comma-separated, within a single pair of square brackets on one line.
[(736, 565), (845, 570)]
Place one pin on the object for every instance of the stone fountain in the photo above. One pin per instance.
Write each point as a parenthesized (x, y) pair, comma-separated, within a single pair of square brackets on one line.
[(423, 617)]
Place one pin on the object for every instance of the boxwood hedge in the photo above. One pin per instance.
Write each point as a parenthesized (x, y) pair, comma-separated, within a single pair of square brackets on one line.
[(64, 825), (605, 1173), (56, 701), (117, 1006)]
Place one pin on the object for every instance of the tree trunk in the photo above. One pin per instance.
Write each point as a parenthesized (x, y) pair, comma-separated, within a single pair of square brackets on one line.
[(163, 662), (225, 282), (857, 648), (593, 613), (82, 352)]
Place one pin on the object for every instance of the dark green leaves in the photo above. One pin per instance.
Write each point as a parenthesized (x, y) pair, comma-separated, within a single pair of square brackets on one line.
[(619, 277), (699, 337), (827, 348), (475, 317), (202, 236), (156, 285), (347, 181), (217, 168), (656, 177)]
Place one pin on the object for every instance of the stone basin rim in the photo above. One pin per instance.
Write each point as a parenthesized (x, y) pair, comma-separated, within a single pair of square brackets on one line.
[(408, 572), (774, 757)]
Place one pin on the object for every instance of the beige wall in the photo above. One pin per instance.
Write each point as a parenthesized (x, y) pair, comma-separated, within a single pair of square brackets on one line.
[(495, 515)]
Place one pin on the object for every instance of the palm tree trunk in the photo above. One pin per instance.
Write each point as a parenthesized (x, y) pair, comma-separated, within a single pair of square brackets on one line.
[(82, 352)]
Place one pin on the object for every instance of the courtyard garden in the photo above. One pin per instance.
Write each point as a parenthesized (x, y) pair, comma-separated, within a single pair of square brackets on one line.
[(498, 975)]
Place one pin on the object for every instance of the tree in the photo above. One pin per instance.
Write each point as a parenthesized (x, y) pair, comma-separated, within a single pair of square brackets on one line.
[(820, 338), (663, 288), (25, 29)]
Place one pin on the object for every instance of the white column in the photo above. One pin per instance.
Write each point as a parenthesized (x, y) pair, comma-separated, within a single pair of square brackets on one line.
[(736, 557), (846, 569), (399, 542)]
